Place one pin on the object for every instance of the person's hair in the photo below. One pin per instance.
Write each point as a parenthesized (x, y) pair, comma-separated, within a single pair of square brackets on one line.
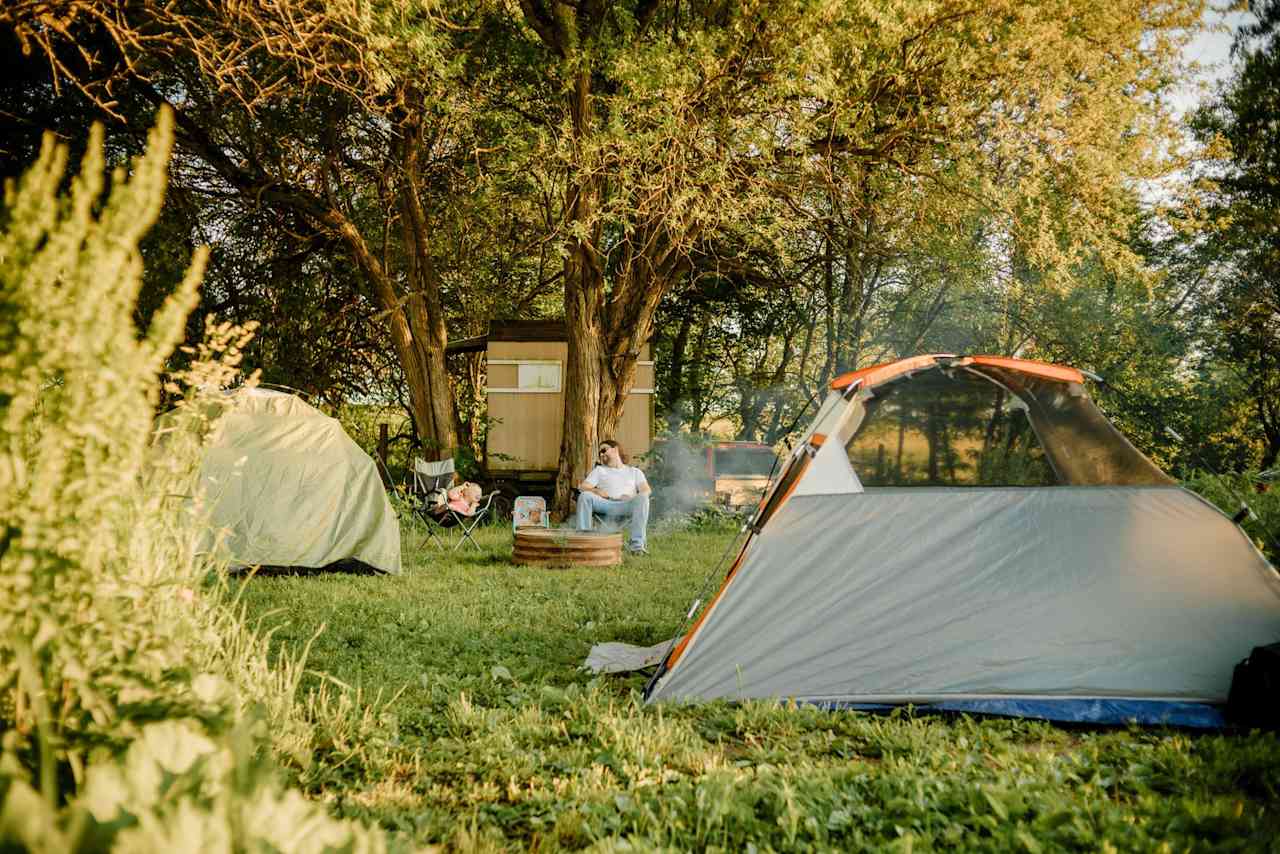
[(613, 443)]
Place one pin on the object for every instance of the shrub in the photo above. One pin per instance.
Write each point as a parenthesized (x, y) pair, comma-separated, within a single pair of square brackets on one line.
[(120, 651)]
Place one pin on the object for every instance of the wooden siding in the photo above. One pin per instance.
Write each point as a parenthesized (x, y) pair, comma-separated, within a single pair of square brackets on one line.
[(528, 425)]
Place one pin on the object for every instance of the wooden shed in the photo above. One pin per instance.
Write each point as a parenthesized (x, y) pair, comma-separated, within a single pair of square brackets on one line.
[(526, 400)]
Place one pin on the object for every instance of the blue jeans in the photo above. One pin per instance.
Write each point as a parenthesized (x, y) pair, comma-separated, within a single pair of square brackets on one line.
[(634, 511)]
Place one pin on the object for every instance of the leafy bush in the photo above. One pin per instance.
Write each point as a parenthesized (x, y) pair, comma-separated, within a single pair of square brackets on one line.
[(175, 789), (361, 423), (121, 651), (715, 518), (83, 614)]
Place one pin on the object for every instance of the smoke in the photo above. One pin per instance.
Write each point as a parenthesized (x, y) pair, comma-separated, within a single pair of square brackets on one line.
[(676, 468), (677, 472)]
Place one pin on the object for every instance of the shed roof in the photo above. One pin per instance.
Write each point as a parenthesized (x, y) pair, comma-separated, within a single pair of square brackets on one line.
[(511, 330)]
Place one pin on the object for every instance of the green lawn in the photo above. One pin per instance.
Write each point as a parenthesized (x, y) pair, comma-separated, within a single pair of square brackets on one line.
[(495, 739)]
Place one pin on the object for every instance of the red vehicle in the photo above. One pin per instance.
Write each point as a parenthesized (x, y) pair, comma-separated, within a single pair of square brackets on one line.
[(739, 471)]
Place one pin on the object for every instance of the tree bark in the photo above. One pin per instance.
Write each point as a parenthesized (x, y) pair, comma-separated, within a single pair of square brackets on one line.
[(423, 304), (698, 404), (416, 368), (583, 303), (675, 377), (603, 352), (415, 321), (604, 336), (584, 375)]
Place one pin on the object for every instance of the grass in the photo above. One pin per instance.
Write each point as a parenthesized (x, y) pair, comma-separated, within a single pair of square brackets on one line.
[(495, 739)]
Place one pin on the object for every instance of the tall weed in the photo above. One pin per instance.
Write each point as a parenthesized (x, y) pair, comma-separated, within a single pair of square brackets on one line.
[(139, 709)]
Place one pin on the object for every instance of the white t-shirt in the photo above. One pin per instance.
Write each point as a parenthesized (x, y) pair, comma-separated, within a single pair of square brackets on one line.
[(619, 483)]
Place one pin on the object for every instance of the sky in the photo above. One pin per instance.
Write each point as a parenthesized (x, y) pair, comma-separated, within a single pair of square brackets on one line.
[(1211, 50)]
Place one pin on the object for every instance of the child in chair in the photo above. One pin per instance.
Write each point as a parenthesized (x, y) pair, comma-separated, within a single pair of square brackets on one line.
[(464, 498)]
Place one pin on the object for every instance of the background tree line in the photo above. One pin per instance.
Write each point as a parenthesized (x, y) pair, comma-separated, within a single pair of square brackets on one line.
[(773, 191)]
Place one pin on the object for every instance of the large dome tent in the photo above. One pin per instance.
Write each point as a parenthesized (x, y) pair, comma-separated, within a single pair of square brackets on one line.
[(972, 533), (287, 487)]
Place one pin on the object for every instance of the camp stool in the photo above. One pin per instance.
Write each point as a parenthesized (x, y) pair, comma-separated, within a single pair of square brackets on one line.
[(529, 511), (429, 478)]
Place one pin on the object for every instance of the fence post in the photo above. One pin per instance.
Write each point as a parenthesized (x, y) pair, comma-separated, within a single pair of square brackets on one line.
[(382, 455)]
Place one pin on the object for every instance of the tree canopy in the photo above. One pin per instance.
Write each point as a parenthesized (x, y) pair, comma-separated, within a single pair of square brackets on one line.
[(772, 191)]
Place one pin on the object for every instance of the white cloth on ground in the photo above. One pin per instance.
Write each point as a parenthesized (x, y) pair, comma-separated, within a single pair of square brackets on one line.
[(617, 657)]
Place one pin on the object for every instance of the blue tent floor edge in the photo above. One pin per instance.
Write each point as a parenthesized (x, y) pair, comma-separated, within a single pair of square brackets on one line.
[(1083, 710)]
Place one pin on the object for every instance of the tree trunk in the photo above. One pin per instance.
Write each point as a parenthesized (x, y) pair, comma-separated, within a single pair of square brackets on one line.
[(416, 324), (584, 370), (1271, 453), (423, 305), (697, 371), (902, 440), (604, 337), (751, 402), (675, 376), (424, 371), (603, 352), (583, 313), (829, 320)]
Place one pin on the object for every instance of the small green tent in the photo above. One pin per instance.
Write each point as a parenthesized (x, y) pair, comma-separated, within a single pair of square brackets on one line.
[(287, 486)]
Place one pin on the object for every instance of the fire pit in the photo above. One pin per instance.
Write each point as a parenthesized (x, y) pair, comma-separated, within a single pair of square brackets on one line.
[(550, 547)]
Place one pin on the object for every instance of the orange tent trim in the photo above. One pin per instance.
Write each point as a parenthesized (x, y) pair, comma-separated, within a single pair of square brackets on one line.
[(1026, 366), (815, 441), (706, 612), (877, 374)]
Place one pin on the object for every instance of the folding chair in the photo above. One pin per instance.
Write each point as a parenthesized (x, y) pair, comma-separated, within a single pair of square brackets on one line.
[(529, 511), (430, 479), (469, 522)]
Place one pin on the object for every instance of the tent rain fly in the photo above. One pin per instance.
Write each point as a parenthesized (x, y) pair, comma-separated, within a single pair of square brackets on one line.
[(972, 533)]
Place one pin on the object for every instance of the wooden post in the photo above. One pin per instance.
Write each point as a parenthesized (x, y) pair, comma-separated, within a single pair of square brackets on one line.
[(382, 455)]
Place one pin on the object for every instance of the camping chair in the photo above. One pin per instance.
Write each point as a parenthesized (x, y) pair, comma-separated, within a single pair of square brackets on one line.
[(529, 511), (469, 522), (430, 484), (429, 480)]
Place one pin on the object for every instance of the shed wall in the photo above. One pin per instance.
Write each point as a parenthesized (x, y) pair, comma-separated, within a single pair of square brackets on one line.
[(527, 424)]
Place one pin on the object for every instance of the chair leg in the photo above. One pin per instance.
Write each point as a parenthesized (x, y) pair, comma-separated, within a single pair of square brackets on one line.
[(466, 537), (467, 529), (435, 533)]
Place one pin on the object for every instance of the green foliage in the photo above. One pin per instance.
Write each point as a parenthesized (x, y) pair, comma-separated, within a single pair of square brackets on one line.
[(1233, 240), (116, 631), (175, 788), (890, 158), (716, 518), (507, 744), (79, 620), (362, 421)]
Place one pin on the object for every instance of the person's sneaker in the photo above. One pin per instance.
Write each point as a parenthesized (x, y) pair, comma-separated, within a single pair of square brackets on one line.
[(637, 550)]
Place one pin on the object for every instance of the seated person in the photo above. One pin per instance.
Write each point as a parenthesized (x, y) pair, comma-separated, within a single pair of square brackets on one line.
[(615, 489), (463, 499)]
